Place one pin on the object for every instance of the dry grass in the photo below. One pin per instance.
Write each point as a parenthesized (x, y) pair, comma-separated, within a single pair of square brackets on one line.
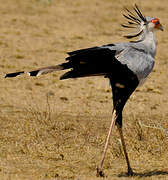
[(53, 129)]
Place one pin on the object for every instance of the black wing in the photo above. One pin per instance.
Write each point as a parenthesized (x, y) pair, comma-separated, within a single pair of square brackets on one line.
[(90, 62), (95, 61)]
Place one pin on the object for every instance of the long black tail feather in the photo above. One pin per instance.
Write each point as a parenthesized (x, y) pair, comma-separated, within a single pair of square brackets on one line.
[(9, 75), (95, 61)]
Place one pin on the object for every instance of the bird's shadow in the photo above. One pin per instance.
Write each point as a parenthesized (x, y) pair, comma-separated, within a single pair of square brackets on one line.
[(145, 174)]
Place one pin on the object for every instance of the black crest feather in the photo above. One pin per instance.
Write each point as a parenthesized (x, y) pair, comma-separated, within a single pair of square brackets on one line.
[(135, 19)]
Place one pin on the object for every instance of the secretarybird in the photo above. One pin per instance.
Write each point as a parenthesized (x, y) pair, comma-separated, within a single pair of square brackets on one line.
[(125, 64)]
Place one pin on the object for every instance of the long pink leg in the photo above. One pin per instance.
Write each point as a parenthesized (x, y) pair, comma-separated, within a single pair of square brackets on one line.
[(130, 171), (100, 169)]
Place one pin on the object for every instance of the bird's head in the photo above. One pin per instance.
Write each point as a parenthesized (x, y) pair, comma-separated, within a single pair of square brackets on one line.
[(141, 23), (153, 24)]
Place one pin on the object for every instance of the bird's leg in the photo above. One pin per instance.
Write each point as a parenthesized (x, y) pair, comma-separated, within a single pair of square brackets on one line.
[(130, 171), (100, 169)]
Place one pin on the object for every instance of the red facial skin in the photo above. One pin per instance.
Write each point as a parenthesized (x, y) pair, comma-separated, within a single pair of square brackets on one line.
[(156, 23)]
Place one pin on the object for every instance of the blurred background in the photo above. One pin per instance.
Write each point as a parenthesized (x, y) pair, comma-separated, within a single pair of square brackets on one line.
[(54, 129)]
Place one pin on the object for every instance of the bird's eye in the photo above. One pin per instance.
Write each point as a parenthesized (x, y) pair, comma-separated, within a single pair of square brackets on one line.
[(157, 22)]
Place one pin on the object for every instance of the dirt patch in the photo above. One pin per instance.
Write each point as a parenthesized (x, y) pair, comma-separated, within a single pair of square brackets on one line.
[(53, 129)]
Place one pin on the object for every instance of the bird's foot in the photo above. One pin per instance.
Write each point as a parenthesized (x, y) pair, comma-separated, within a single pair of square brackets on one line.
[(100, 172), (130, 172)]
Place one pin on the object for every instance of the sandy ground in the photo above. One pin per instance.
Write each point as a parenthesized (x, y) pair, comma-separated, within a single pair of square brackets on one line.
[(53, 129)]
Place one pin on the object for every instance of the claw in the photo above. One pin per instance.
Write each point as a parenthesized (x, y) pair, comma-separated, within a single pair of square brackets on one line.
[(130, 172), (100, 173)]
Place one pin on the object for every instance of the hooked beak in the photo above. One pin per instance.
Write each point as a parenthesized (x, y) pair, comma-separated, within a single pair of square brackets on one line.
[(160, 27)]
